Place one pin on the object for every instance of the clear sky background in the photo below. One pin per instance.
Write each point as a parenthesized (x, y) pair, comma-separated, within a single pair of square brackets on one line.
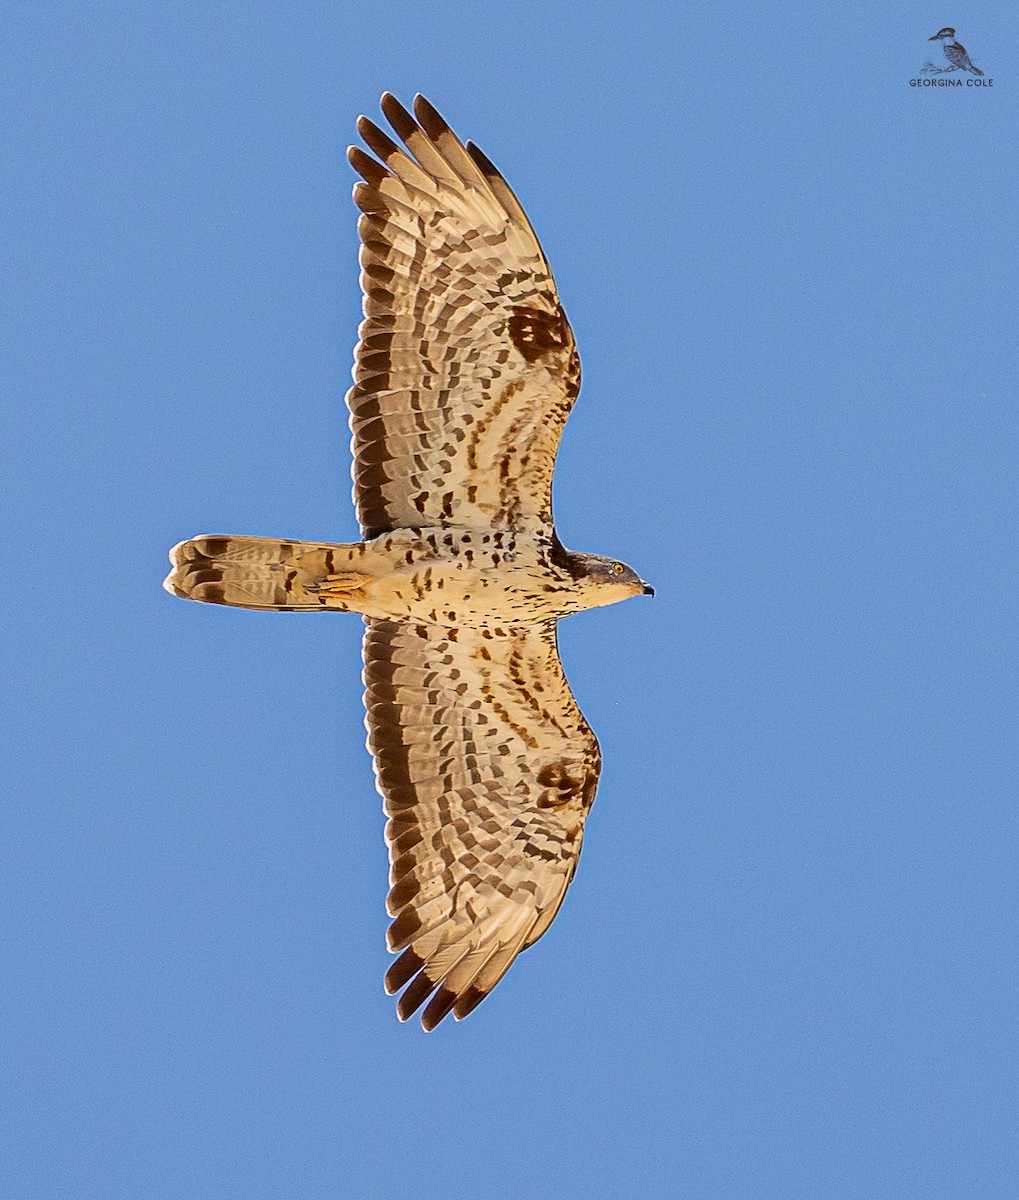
[(787, 966)]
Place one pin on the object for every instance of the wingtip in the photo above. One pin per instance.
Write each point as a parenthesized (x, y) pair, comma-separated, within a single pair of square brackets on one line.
[(484, 163), (439, 1007), (429, 117), (402, 971), (468, 1001), (393, 110)]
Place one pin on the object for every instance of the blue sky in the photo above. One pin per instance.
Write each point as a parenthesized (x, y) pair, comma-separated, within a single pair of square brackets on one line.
[(787, 965)]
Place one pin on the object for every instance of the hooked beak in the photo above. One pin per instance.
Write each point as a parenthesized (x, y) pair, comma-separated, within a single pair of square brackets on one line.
[(648, 589)]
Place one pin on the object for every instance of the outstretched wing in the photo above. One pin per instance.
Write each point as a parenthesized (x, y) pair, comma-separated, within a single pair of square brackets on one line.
[(466, 367), (488, 770)]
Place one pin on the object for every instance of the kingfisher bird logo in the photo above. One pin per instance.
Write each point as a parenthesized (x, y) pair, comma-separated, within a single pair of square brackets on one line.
[(958, 59)]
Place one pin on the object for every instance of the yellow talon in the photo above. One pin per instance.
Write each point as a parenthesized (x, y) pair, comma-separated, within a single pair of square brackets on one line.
[(340, 586)]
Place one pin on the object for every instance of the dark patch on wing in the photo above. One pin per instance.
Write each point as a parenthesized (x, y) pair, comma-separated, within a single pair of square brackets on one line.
[(537, 333), (562, 783)]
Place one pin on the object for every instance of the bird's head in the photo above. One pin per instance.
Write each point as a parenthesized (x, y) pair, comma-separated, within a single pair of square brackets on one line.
[(608, 580), (942, 34)]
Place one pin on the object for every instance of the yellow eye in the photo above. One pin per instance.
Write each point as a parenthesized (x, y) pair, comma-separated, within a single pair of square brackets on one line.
[(618, 568)]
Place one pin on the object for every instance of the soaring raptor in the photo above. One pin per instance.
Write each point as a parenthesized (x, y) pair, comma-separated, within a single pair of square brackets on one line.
[(465, 372)]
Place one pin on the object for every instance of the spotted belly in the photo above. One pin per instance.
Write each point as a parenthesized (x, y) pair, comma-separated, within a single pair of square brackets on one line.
[(463, 578)]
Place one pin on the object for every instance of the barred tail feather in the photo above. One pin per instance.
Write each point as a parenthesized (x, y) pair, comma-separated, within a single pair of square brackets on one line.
[(262, 573)]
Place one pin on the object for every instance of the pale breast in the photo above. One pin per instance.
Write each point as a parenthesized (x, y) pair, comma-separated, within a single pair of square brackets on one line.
[(455, 577)]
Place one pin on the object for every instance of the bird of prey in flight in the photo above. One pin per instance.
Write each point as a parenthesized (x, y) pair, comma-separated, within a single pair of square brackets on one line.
[(465, 372)]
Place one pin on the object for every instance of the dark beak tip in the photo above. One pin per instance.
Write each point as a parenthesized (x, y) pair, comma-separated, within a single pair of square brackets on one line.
[(648, 590)]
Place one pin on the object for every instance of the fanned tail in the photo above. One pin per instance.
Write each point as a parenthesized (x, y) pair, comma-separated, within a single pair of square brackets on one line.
[(262, 573)]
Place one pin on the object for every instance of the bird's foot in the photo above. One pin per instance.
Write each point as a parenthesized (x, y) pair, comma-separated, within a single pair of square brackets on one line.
[(340, 586)]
